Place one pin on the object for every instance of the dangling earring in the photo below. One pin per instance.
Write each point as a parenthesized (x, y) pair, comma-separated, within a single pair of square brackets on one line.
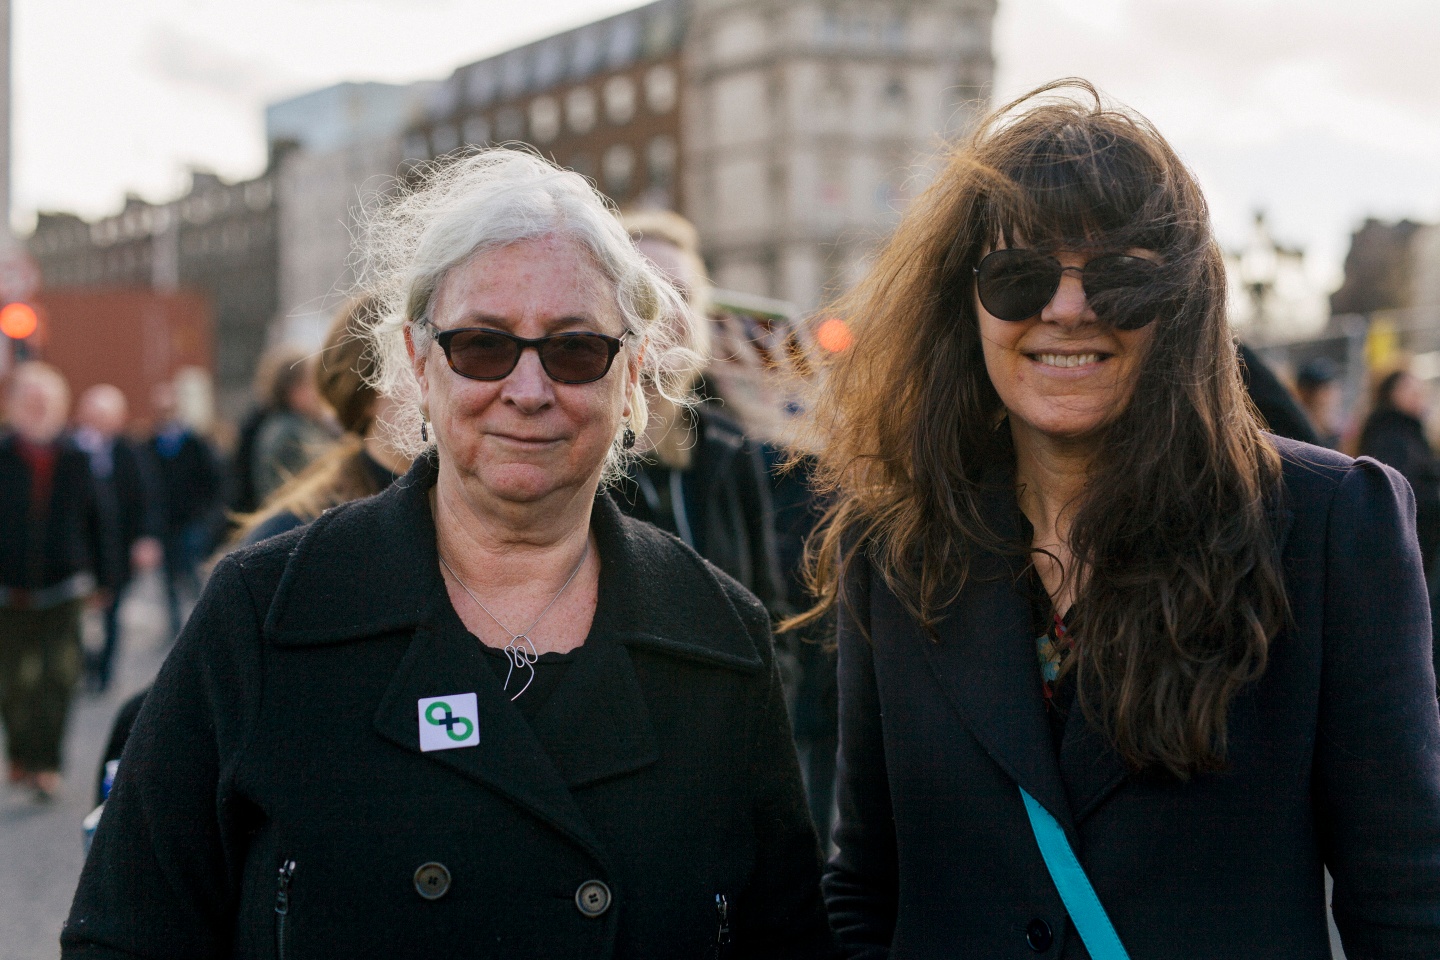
[(627, 439), (424, 433)]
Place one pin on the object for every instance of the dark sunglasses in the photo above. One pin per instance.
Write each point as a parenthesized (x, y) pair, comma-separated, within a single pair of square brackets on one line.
[(482, 354), (1016, 284)]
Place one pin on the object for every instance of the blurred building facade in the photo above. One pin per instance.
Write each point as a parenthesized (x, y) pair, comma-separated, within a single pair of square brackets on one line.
[(219, 240), (337, 149), (791, 132)]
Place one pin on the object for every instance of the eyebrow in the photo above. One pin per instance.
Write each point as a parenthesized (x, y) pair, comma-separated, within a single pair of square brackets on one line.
[(493, 321)]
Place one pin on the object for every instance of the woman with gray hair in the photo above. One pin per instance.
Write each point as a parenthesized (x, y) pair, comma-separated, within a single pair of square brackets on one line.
[(482, 712)]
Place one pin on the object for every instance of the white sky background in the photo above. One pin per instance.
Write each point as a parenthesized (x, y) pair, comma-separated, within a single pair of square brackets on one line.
[(1319, 111)]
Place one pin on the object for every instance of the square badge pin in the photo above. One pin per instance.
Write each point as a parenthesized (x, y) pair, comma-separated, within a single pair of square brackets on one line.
[(449, 722)]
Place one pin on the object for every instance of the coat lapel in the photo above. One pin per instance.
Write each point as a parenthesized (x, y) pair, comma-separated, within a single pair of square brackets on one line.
[(986, 660), (595, 721), (509, 758)]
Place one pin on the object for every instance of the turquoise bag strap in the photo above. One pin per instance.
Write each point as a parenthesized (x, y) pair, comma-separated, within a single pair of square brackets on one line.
[(1089, 917)]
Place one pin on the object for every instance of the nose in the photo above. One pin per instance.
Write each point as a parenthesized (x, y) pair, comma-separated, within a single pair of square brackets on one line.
[(528, 388), (1069, 307)]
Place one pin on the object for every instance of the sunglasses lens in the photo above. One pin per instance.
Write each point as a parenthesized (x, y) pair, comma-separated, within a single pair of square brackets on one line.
[(1123, 290), (482, 355), (1015, 285), (576, 358)]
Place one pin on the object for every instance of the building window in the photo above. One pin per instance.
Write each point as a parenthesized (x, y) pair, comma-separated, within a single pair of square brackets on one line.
[(618, 167), (549, 63), (620, 100), (662, 88), (477, 130), (661, 32), (544, 119), (624, 42), (257, 196), (585, 54), (509, 125), (513, 74), (580, 109)]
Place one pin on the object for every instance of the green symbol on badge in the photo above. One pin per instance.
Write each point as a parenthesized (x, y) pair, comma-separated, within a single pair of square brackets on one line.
[(449, 721)]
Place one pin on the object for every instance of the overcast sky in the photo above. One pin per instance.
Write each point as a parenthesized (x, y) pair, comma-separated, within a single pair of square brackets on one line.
[(1319, 111)]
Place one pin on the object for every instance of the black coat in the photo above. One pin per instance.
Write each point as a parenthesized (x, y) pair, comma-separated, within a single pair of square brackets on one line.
[(1398, 440), (40, 550), (188, 480), (284, 727), (1334, 760), (727, 499), (127, 500)]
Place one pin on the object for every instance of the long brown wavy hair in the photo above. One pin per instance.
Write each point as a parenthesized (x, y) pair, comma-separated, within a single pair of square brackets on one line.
[(1180, 590)]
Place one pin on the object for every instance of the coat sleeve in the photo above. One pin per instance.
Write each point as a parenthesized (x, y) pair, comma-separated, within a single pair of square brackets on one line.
[(162, 877), (1377, 754), (783, 915), (861, 887)]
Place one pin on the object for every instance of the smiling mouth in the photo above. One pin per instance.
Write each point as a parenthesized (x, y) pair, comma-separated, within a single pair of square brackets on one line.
[(1067, 359)]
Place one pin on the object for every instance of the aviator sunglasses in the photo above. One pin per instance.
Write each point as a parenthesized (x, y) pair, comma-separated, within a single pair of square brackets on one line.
[(1015, 284), (478, 353)]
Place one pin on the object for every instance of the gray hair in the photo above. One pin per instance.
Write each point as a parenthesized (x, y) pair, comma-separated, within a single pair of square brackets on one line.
[(493, 198)]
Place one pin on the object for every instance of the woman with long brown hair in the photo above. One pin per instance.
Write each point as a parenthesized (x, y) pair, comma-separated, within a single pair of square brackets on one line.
[(1116, 666)]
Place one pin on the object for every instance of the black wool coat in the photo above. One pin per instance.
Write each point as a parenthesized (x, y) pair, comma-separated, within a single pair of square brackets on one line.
[(43, 548), (1334, 760), (727, 497), (284, 728)]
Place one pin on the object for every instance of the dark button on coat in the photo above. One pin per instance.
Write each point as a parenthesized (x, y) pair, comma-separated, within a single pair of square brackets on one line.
[(1334, 760), (284, 727)]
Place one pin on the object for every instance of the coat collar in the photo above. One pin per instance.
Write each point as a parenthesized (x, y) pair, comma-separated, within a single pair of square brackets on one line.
[(371, 567)]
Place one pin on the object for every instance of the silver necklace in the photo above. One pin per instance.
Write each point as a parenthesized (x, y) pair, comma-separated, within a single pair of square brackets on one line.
[(520, 657)]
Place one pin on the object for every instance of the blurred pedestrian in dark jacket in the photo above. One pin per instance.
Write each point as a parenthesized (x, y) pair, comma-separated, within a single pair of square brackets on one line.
[(1277, 407), (294, 433), (275, 369), (187, 474), (1394, 434), (49, 540), (699, 476), (129, 511), (363, 462), (1317, 386)]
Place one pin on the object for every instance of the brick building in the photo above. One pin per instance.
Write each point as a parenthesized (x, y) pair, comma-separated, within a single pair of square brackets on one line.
[(219, 240)]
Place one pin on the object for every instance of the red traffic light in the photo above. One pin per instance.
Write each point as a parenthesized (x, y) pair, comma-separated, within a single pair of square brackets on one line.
[(18, 320)]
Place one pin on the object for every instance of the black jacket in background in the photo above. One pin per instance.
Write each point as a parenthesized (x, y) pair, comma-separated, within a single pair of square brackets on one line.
[(1276, 404), (284, 727), (189, 482), (727, 498), (42, 551), (1334, 761), (129, 507), (1398, 440)]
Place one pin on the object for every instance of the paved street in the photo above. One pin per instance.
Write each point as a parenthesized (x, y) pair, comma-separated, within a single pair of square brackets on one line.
[(40, 846)]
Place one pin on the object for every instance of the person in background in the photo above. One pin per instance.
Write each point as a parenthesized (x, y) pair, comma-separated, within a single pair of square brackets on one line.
[(1394, 434), (363, 462), (698, 476), (1278, 409), (187, 476), (1317, 387), (129, 512), (49, 545), (273, 373), (294, 433)]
